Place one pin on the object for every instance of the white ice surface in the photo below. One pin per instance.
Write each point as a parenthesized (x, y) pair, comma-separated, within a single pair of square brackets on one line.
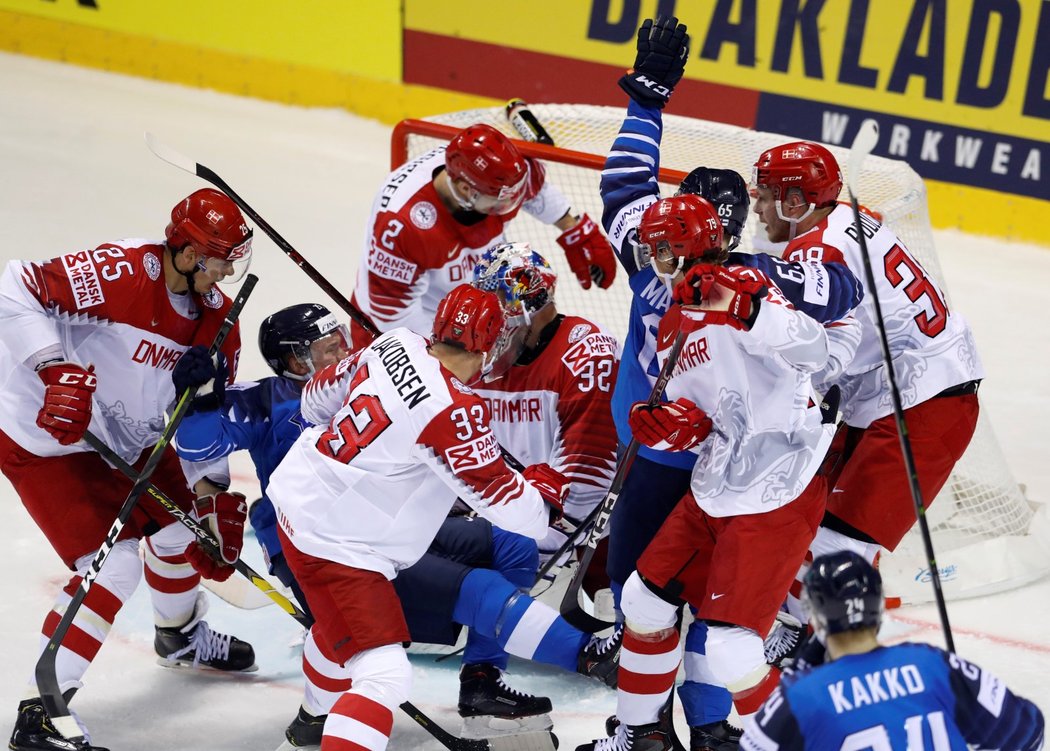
[(75, 172)]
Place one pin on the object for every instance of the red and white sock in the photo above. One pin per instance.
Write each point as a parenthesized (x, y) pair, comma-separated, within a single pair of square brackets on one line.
[(172, 582), (648, 666), (326, 680), (357, 723)]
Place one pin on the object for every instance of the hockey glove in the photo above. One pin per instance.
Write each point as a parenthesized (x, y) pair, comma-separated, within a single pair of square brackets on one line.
[(589, 254), (663, 48), (553, 487), (197, 368), (66, 413), (727, 296), (671, 426), (223, 515)]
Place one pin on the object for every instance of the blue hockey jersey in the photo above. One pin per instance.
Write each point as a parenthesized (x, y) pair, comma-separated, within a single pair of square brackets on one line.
[(628, 187), (262, 417), (910, 696)]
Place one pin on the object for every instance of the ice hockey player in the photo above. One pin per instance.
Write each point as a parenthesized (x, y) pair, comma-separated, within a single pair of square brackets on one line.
[(436, 214), (743, 402), (473, 572), (906, 696), (934, 356), (658, 479), (550, 400), (89, 340)]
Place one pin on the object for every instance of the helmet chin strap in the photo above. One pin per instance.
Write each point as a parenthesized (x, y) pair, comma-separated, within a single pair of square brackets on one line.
[(188, 275), (793, 222)]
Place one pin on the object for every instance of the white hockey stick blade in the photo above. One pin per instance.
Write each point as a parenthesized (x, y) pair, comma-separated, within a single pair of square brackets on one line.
[(867, 137), (168, 154), (534, 741), (239, 592)]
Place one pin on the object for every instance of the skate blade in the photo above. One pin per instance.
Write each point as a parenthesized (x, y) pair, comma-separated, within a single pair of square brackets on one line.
[(287, 746), (165, 662), (493, 726)]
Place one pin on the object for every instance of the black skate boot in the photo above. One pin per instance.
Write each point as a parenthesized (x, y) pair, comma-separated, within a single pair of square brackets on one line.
[(651, 737), (784, 641), (34, 731), (717, 736), (304, 733), (196, 645), (490, 707), (601, 657)]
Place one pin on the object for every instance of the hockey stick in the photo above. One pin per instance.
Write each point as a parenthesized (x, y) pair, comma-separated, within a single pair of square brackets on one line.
[(183, 162), (204, 537), (867, 137), (46, 670), (571, 609)]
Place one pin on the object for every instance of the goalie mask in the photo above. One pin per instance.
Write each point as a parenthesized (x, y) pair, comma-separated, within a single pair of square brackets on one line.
[(486, 172), (842, 592), (211, 223), (679, 232), (310, 333), (524, 283)]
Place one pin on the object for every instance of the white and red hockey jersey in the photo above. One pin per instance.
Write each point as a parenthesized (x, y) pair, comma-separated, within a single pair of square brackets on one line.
[(556, 410), (932, 347), (108, 307), (416, 252), (767, 440), (396, 439)]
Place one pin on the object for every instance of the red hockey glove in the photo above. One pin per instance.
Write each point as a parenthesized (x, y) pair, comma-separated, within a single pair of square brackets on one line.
[(223, 515), (670, 426), (552, 484), (733, 293), (589, 254), (66, 413)]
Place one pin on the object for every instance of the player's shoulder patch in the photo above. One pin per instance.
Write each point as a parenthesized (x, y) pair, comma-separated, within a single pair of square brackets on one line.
[(213, 299), (423, 215), (152, 265), (579, 331)]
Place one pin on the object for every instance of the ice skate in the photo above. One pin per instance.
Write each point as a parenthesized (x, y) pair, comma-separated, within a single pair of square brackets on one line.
[(784, 641), (716, 736), (650, 737), (34, 731), (601, 657), (196, 645), (304, 732), (489, 707)]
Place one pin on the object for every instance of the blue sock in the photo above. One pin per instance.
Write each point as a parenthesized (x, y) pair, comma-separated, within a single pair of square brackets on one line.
[(703, 703), (499, 614)]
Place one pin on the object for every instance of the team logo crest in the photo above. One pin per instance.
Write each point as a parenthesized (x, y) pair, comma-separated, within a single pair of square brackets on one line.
[(579, 331), (423, 215), (213, 299), (152, 264)]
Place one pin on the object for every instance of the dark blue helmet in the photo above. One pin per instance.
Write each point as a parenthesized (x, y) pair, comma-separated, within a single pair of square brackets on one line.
[(726, 190), (842, 592), (290, 332)]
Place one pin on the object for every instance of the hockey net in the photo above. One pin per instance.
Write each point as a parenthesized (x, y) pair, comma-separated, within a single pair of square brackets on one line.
[(986, 535)]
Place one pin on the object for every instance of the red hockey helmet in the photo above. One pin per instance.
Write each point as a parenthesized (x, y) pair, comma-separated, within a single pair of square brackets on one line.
[(493, 168), (683, 227), (800, 164), (468, 318), (211, 222)]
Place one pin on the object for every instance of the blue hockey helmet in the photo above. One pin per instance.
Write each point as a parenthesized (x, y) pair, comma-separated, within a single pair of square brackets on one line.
[(842, 592), (293, 331), (726, 190)]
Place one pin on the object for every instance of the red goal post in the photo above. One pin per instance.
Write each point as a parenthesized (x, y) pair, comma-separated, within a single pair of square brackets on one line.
[(986, 534)]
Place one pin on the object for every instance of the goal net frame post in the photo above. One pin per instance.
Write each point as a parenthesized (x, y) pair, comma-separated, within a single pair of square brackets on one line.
[(987, 535)]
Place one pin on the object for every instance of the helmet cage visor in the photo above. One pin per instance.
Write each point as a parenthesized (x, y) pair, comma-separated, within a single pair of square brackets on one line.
[(469, 197)]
